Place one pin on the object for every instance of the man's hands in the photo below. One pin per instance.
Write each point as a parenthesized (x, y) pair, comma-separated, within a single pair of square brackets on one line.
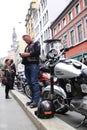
[(25, 54)]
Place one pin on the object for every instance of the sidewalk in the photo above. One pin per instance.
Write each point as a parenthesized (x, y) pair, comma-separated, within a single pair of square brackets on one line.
[(42, 124), (12, 116)]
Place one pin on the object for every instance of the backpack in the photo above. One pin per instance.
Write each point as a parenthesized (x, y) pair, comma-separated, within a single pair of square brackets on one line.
[(45, 109)]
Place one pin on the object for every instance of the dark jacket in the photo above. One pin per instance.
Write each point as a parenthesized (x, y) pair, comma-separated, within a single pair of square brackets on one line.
[(7, 74), (34, 49), (13, 70)]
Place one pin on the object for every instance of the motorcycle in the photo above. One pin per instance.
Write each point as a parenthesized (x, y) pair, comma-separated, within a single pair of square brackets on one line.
[(21, 83), (43, 80), (71, 91)]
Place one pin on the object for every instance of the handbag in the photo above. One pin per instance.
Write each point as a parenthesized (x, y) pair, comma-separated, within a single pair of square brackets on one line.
[(4, 80)]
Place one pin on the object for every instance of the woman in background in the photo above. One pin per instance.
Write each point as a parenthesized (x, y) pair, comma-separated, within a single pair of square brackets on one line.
[(7, 73)]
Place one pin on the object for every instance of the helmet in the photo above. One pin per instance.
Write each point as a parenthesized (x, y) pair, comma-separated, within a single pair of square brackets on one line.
[(45, 109)]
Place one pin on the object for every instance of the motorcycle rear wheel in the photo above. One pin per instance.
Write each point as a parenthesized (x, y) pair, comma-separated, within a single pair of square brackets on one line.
[(58, 101), (27, 91)]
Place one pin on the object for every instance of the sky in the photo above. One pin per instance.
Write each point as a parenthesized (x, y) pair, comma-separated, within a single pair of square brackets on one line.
[(12, 14)]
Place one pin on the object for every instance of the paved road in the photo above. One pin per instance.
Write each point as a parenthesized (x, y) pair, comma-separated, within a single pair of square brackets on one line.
[(73, 119), (12, 117)]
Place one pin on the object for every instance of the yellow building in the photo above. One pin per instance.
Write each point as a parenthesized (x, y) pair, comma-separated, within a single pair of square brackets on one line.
[(29, 20)]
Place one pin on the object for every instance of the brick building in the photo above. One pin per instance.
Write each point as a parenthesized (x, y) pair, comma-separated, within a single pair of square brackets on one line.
[(71, 26)]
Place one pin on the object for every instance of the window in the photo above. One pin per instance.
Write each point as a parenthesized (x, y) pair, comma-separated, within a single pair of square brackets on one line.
[(64, 22), (65, 40), (43, 4), (70, 16), (43, 21), (37, 30), (72, 38), (39, 11), (40, 25), (41, 38), (48, 32), (85, 19), (79, 29), (44, 35), (77, 9), (85, 2), (47, 16), (86, 26), (55, 32), (59, 27)]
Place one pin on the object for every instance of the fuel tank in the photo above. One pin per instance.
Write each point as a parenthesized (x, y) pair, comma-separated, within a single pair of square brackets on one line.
[(68, 68)]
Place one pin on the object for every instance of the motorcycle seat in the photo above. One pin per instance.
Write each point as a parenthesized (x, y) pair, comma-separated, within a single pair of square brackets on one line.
[(78, 66)]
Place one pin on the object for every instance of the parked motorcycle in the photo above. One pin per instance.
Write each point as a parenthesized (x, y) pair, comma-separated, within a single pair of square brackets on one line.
[(71, 91), (21, 82), (43, 80)]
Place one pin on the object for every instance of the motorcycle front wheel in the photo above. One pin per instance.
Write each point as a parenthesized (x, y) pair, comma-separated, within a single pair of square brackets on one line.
[(58, 101)]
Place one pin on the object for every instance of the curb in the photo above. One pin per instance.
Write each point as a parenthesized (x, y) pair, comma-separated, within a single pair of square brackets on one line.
[(42, 124)]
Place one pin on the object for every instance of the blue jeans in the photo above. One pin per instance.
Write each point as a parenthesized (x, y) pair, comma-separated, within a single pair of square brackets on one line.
[(32, 73)]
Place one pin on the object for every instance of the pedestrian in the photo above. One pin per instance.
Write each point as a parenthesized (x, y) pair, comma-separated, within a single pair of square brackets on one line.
[(31, 62), (7, 73), (13, 72)]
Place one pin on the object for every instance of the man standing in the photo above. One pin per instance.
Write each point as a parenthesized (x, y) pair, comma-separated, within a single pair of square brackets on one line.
[(31, 62)]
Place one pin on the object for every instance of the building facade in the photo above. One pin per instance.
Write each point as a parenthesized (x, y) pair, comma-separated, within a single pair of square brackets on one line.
[(29, 18), (42, 16), (71, 28)]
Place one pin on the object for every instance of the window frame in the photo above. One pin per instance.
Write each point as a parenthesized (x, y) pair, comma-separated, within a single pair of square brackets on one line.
[(78, 24), (77, 5)]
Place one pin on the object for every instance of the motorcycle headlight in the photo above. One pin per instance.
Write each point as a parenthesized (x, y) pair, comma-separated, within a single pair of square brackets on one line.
[(52, 54)]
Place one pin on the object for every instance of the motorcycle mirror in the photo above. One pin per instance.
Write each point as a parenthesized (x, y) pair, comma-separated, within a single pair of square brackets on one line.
[(65, 49), (49, 41)]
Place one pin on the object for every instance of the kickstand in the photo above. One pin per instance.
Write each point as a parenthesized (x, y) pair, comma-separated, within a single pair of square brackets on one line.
[(82, 122)]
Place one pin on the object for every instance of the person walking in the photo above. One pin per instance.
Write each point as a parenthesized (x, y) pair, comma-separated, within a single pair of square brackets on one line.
[(7, 73), (31, 62), (13, 72)]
